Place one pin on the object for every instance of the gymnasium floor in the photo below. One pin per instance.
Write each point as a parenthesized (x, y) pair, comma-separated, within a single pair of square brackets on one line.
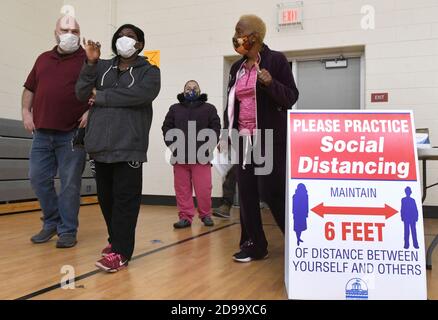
[(184, 264)]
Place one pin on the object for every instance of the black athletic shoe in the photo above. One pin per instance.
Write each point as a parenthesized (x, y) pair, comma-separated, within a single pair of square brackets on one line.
[(242, 256), (183, 223), (208, 221)]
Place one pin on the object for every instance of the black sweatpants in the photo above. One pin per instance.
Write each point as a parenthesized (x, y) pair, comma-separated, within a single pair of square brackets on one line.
[(229, 186), (270, 188), (119, 187)]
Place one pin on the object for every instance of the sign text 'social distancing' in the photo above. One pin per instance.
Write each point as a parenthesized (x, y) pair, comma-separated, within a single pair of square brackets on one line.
[(354, 212)]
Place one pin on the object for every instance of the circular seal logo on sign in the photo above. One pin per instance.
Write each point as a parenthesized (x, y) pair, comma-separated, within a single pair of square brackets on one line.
[(356, 289)]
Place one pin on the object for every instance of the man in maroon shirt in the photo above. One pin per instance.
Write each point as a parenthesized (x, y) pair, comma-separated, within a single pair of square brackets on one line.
[(51, 111)]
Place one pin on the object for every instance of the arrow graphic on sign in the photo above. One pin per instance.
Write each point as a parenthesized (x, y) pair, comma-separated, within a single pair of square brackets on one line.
[(386, 211)]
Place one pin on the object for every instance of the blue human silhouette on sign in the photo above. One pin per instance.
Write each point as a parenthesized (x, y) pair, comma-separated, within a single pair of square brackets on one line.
[(300, 210), (409, 215)]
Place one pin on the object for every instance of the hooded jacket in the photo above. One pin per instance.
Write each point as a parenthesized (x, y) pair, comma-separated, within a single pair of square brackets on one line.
[(120, 120), (272, 102), (203, 114)]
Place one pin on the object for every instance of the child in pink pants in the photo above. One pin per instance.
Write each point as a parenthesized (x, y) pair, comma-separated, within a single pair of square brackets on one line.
[(190, 172)]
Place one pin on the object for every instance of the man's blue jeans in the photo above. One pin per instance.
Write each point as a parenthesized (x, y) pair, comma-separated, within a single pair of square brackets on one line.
[(52, 151)]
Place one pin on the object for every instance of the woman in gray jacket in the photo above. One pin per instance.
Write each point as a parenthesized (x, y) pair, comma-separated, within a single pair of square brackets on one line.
[(121, 91)]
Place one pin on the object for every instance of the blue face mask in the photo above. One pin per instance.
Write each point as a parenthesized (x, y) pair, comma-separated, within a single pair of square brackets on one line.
[(192, 95)]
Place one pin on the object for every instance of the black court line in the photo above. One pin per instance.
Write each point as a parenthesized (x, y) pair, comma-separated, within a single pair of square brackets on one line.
[(92, 273)]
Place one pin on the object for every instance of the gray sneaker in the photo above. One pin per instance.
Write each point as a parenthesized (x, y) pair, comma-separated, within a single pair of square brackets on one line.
[(222, 212), (66, 240), (43, 236)]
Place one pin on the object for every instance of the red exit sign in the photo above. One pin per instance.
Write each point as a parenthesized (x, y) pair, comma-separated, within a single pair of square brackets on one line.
[(379, 97), (287, 16)]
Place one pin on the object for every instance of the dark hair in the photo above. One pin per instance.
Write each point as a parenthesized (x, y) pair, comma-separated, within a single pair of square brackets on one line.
[(137, 31)]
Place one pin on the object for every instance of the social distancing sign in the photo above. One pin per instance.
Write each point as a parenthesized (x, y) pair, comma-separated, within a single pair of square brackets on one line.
[(354, 212)]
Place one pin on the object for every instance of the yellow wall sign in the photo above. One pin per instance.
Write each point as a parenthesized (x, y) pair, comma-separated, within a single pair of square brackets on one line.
[(153, 57)]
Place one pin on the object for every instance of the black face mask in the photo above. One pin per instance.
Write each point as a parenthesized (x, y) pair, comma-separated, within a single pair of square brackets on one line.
[(192, 95)]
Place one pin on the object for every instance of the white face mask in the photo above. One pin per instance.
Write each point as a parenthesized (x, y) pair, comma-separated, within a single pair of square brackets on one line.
[(125, 47), (68, 42)]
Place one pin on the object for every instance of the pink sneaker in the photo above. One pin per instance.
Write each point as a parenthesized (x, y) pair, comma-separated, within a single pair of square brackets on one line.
[(113, 262), (107, 250)]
